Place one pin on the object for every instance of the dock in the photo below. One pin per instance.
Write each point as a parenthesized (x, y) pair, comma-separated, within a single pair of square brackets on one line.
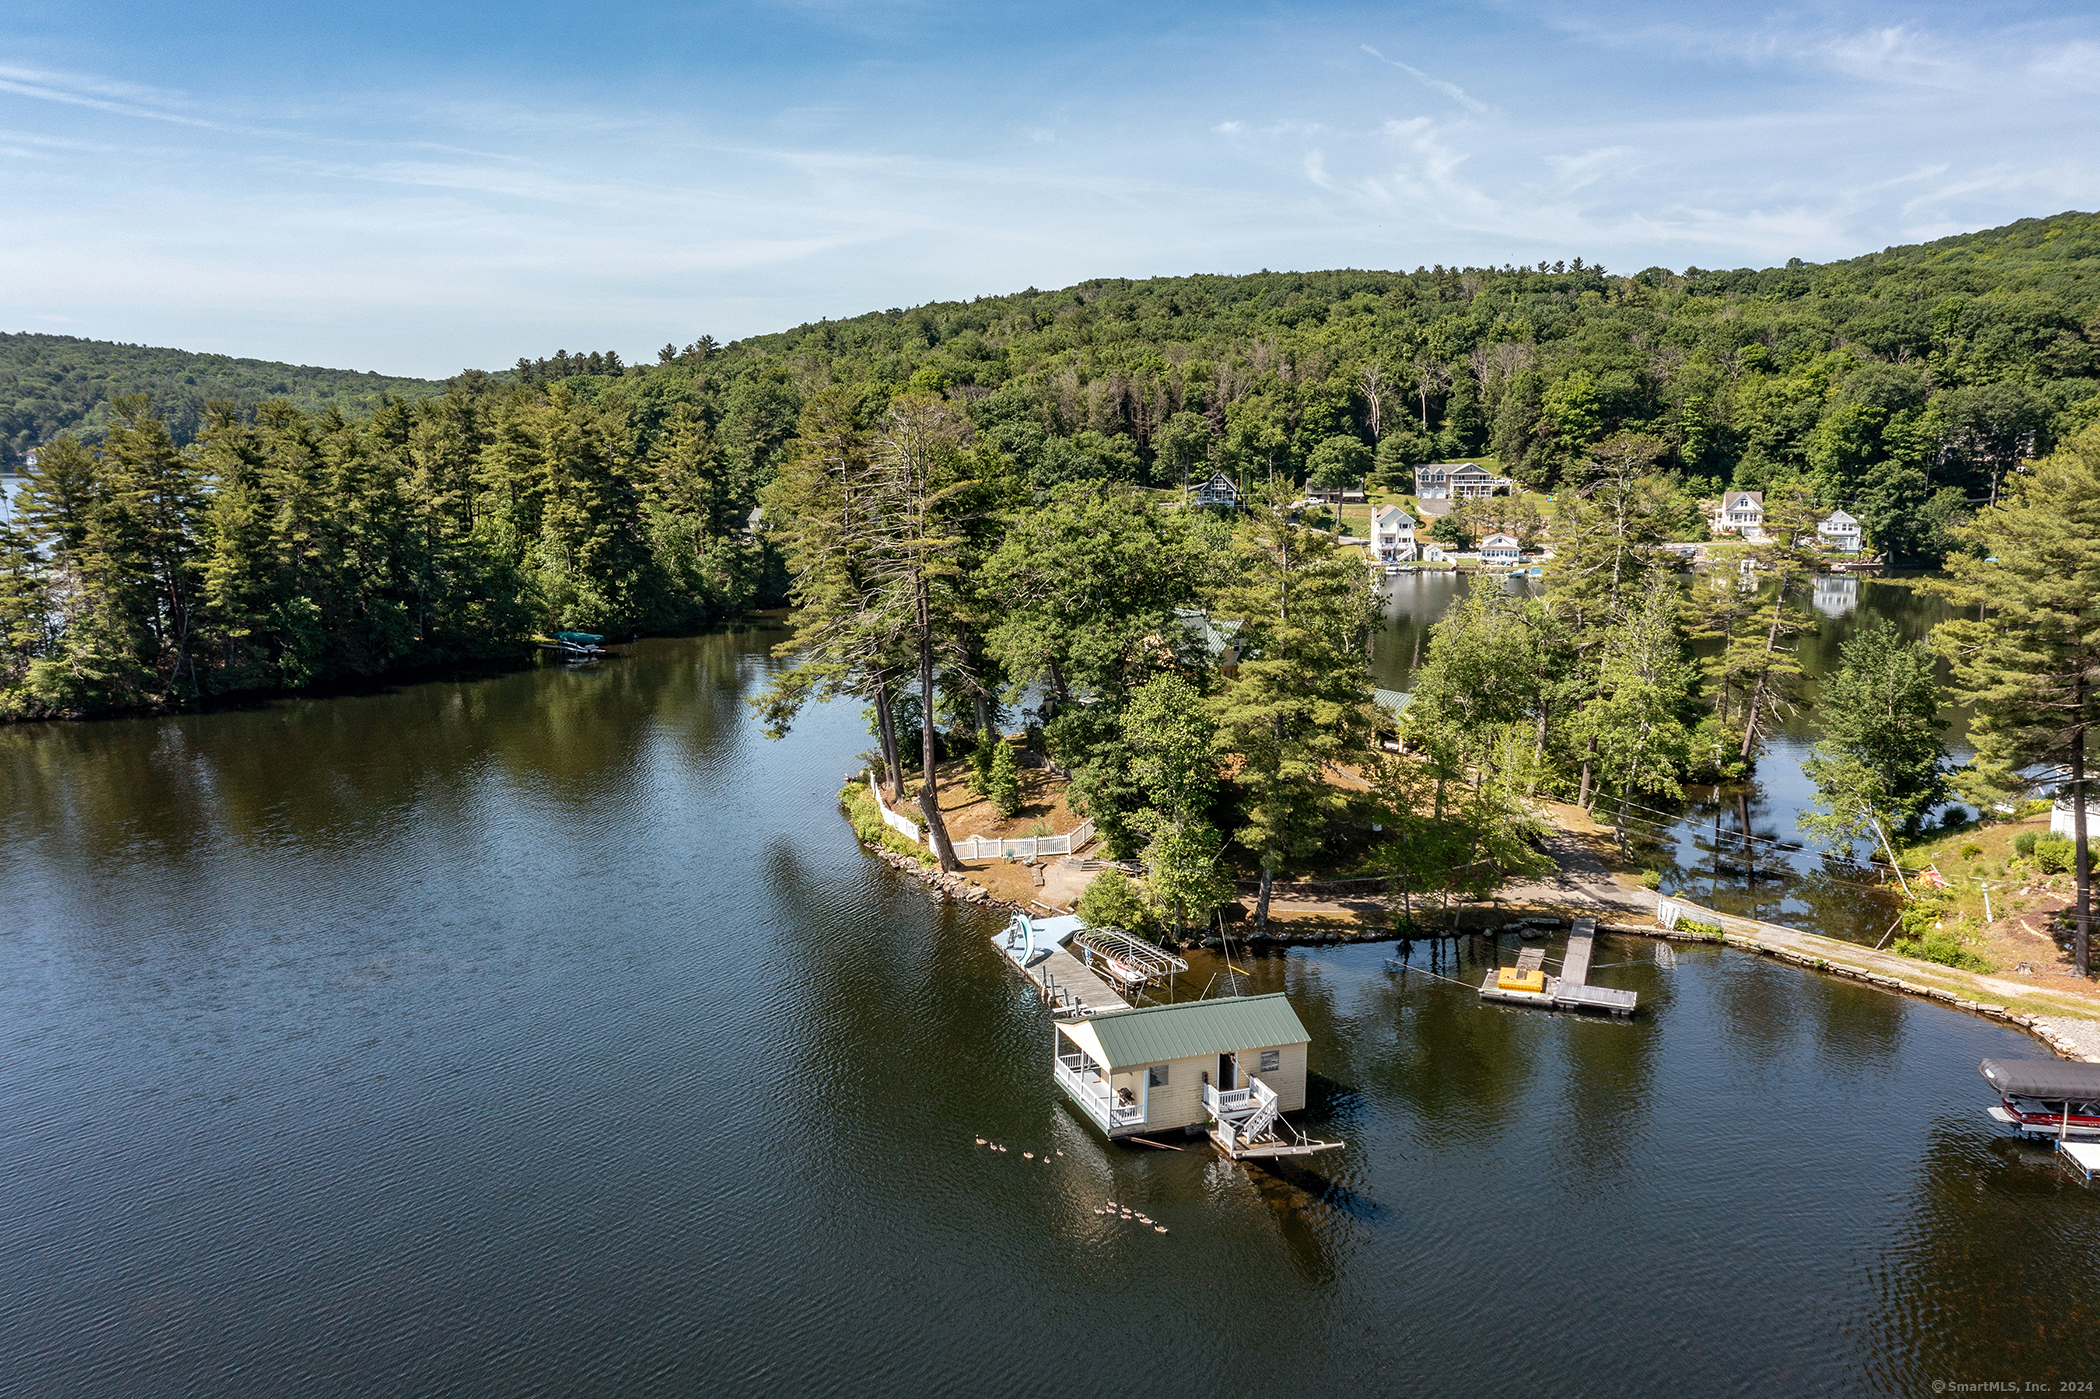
[(1568, 991), (2084, 1155), (1064, 983)]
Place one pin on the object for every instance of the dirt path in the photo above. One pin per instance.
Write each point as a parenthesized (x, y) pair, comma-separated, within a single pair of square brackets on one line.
[(1581, 880)]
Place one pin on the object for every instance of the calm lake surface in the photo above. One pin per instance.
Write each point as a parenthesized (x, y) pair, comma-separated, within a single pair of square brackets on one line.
[(1739, 847), (548, 1034)]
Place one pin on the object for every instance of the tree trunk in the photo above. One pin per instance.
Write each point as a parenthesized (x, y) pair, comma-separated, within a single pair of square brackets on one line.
[(886, 732), (1757, 696), (984, 717), (1589, 754), (930, 793), (1261, 903)]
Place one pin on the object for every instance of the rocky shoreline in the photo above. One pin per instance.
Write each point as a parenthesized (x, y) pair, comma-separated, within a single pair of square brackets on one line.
[(2068, 1038)]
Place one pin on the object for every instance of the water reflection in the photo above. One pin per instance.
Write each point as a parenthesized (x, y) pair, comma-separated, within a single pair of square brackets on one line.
[(548, 1034), (1737, 847)]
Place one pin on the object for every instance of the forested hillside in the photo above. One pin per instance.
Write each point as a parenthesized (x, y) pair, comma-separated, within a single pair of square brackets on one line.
[(55, 383), (1878, 381), (190, 539)]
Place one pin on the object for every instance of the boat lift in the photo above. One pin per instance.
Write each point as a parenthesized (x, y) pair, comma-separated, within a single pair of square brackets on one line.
[(1129, 962)]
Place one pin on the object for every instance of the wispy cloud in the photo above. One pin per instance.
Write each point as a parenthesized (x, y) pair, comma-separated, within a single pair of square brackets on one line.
[(466, 210), (1451, 90)]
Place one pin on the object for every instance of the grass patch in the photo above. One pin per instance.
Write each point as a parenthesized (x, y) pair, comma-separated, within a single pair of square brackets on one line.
[(859, 805)]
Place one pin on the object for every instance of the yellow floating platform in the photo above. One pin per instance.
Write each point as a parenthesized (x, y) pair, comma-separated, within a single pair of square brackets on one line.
[(1510, 979)]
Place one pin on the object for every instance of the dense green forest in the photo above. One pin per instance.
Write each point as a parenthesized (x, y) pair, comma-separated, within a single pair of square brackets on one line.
[(956, 500), (55, 383), (345, 523)]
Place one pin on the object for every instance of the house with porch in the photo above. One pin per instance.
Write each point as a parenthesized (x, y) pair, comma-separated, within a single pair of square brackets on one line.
[(1459, 481), (1740, 513), (1839, 532), (1235, 1064), (1220, 490), (1500, 549), (1392, 535), (1335, 495)]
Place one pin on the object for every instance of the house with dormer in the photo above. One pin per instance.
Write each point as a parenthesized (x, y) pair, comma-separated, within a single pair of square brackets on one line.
[(1740, 513), (1392, 535), (1220, 490), (1459, 481), (1839, 532)]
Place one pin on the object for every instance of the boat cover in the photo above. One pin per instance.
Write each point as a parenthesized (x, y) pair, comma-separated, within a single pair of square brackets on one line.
[(2042, 1078)]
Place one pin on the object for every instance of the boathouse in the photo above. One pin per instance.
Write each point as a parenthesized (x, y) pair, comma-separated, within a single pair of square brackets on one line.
[(1144, 1071)]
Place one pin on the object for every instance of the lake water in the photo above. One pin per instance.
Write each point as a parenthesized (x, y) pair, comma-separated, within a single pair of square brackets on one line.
[(548, 1034), (1738, 847)]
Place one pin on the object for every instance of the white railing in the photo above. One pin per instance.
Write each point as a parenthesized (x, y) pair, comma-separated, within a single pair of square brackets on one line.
[(901, 825), (1025, 847), (1091, 1090), (1242, 1114)]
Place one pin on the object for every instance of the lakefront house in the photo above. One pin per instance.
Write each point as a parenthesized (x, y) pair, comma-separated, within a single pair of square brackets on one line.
[(1459, 481), (1219, 491), (1740, 513), (1500, 549), (1392, 535), (1839, 532)]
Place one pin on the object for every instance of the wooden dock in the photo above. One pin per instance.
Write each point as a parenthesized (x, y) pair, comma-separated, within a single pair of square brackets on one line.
[(1571, 989), (1065, 984)]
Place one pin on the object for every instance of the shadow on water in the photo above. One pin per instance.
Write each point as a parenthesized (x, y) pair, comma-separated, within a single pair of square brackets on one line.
[(548, 1034)]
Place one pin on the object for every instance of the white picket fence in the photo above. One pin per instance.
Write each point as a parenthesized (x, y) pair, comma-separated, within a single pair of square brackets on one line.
[(901, 825), (984, 848), (1025, 847)]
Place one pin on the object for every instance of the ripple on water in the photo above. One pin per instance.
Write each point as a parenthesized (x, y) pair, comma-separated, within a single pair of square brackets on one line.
[(547, 1034)]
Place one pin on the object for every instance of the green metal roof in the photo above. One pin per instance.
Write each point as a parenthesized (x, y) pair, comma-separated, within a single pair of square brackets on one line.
[(1195, 1028)]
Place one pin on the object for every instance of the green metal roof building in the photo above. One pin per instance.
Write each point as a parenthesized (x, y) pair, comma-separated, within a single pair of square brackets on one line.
[(1144, 1071)]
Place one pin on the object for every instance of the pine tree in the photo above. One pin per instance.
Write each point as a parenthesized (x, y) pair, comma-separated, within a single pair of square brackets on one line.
[(149, 534), (828, 514), (1301, 697), (2029, 661), (1880, 756)]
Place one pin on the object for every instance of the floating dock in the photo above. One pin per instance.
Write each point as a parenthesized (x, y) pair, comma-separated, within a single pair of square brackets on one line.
[(1529, 984), (2084, 1155)]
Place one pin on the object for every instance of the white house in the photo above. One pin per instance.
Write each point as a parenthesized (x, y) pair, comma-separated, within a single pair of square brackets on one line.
[(1392, 534), (1840, 532), (1500, 548), (1435, 553), (1459, 481), (1741, 512), (2063, 819), (1219, 490)]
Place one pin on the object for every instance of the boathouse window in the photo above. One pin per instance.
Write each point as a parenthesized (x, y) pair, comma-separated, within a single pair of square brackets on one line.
[(1271, 1061), (1156, 1076)]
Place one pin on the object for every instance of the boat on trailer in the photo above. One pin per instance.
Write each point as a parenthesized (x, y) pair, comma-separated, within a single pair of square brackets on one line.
[(2053, 1099)]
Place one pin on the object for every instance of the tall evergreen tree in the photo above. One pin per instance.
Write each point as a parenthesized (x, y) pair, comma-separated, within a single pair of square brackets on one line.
[(2029, 662), (1300, 699), (1880, 757)]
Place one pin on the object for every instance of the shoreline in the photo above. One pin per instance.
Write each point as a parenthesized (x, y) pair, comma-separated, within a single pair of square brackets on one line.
[(2059, 1028)]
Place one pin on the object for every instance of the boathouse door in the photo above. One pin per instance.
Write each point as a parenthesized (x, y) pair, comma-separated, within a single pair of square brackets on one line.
[(1225, 1083)]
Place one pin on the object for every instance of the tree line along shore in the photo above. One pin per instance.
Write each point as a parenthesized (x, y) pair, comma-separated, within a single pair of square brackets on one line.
[(974, 502)]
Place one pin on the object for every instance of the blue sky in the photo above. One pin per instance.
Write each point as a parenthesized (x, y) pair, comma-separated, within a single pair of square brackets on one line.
[(417, 188)]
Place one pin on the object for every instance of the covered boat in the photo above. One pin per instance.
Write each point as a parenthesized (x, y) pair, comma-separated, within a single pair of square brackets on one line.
[(2045, 1097)]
